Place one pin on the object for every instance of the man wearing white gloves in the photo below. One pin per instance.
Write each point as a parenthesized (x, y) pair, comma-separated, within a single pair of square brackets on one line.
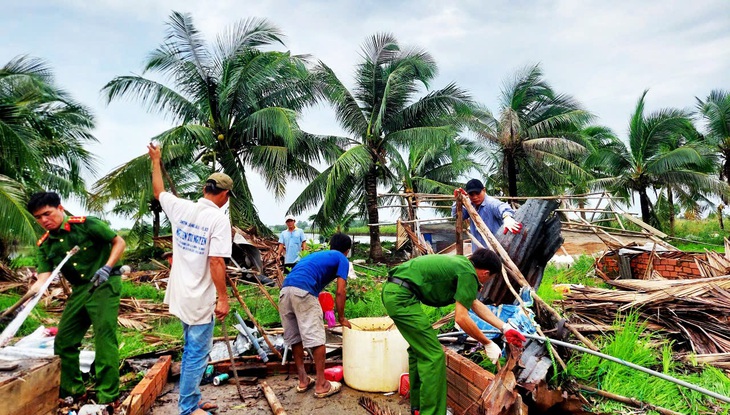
[(494, 213), (437, 281)]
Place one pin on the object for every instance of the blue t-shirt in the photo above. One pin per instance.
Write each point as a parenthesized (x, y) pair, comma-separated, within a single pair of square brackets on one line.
[(313, 272)]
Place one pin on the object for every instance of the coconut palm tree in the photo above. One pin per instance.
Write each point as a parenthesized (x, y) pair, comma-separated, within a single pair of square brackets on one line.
[(434, 168), (43, 134), (654, 158), (537, 133), (715, 112), (234, 106), (381, 116)]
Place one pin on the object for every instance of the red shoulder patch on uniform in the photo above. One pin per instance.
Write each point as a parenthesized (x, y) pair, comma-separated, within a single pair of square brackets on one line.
[(43, 239), (77, 219)]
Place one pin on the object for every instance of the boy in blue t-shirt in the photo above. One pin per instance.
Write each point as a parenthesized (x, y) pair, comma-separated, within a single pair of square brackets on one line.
[(301, 314)]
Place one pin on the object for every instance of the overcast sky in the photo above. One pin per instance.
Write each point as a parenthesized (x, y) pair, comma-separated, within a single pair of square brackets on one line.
[(604, 53)]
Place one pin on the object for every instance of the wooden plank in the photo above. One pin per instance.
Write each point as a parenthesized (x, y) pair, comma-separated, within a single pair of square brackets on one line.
[(143, 396), (645, 226), (34, 391)]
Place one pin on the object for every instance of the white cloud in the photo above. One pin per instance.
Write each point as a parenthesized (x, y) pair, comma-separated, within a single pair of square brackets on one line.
[(603, 53)]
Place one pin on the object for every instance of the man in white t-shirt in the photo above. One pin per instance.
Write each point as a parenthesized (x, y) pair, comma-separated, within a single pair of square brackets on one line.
[(200, 243)]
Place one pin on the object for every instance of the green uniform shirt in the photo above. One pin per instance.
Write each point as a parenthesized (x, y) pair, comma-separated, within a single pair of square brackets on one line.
[(439, 280), (93, 237)]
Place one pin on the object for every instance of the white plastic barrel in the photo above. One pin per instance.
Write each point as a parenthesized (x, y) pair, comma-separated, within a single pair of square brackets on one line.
[(373, 354)]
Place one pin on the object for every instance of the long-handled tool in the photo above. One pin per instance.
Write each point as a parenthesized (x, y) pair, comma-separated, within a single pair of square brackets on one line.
[(12, 311), (23, 314), (233, 361)]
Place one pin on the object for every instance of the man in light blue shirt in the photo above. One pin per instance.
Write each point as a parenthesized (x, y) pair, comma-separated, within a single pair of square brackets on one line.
[(494, 213), (291, 241)]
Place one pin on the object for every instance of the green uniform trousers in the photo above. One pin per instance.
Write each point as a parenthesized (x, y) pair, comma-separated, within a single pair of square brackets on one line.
[(426, 358), (83, 309)]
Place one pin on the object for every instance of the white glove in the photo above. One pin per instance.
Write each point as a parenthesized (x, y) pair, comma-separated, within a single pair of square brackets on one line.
[(493, 352), (511, 225)]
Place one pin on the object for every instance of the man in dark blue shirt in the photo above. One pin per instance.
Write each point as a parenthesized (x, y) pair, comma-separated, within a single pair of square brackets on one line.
[(301, 314), (493, 212)]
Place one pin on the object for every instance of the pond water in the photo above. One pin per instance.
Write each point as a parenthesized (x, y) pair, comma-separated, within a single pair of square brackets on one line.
[(363, 239)]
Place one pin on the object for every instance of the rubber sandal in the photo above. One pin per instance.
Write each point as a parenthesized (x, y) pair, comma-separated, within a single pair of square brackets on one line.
[(312, 382), (334, 388), (208, 406)]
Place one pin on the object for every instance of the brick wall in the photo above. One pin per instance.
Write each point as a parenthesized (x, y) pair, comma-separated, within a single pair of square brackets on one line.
[(466, 382), (670, 265)]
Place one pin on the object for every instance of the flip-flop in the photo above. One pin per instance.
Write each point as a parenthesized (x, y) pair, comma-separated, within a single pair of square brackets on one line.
[(334, 388), (312, 382), (208, 406)]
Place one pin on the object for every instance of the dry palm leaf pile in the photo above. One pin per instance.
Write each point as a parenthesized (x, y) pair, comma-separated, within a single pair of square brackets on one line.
[(694, 312)]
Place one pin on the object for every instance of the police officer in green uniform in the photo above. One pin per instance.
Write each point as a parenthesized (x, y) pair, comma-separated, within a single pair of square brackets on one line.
[(95, 297), (437, 281)]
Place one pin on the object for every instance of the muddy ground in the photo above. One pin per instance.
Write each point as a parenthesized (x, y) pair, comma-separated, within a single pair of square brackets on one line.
[(228, 401)]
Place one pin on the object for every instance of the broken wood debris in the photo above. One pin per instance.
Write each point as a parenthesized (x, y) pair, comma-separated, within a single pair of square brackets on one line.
[(274, 403)]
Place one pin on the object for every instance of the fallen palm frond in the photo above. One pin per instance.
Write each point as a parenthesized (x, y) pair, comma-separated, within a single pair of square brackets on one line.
[(694, 312), (373, 408)]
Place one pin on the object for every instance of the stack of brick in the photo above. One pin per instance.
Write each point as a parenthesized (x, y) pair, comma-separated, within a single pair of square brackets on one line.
[(143, 396), (466, 382)]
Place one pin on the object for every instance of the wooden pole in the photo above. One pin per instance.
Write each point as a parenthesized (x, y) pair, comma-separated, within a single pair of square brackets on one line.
[(274, 403), (514, 272), (250, 316), (224, 328)]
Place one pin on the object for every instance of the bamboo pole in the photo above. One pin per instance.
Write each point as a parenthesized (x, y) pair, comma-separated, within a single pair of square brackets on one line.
[(514, 271), (274, 403), (459, 227), (250, 316), (628, 401)]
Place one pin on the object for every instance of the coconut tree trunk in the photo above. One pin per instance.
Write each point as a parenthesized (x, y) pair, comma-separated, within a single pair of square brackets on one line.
[(156, 224), (725, 174), (645, 204), (371, 205), (670, 200), (509, 160)]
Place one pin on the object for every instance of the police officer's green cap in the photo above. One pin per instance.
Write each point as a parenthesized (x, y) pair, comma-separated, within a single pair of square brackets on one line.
[(221, 181)]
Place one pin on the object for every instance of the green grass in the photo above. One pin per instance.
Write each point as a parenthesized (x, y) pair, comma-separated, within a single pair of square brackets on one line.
[(132, 343), (34, 320), (389, 230), (142, 291), (631, 342), (581, 272)]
